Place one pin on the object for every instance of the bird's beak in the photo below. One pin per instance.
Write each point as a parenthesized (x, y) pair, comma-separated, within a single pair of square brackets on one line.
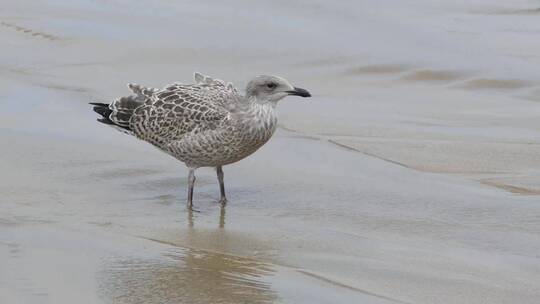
[(299, 92)]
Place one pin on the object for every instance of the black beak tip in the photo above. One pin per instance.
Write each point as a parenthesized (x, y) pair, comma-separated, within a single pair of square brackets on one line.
[(300, 92)]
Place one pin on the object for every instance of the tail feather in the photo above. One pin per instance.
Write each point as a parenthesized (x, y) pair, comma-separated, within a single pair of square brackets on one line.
[(99, 104), (102, 109), (118, 113), (106, 121), (122, 110)]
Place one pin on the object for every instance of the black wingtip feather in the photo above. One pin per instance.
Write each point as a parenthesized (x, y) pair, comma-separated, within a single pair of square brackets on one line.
[(103, 110), (105, 121), (99, 104)]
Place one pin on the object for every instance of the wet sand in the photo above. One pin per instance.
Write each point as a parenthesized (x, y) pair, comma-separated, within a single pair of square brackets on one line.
[(410, 177)]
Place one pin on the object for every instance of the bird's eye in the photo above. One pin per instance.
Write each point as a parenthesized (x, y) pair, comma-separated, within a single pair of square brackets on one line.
[(271, 85)]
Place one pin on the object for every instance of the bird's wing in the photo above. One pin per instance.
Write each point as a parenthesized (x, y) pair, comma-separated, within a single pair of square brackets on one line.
[(179, 109), (202, 79), (209, 89)]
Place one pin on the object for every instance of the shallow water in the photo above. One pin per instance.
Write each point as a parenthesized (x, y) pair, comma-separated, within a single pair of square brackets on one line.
[(409, 177)]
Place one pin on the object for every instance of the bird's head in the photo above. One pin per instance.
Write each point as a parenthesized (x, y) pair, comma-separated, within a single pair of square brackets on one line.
[(272, 89)]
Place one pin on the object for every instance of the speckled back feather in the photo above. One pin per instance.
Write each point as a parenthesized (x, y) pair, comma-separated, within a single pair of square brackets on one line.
[(178, 109)]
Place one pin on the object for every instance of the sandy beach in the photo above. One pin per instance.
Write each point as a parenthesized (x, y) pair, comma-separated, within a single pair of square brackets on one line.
[(411, 175)]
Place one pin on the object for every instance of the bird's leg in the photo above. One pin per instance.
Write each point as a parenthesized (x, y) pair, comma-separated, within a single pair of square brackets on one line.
[(191, 184), (223, 199)]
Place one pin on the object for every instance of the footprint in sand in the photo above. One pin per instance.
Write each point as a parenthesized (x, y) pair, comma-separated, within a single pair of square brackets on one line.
[(434, 76), (378, 69), (29, 31)]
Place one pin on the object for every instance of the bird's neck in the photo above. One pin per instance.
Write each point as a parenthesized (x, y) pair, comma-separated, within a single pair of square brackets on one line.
[(262, 111), (261, 101), (260, 119)]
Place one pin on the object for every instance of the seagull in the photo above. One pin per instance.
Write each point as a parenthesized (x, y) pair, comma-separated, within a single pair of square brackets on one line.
[(204, 124)]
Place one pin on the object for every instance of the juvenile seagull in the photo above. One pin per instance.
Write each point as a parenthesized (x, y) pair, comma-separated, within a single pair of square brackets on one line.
[(205, 124)]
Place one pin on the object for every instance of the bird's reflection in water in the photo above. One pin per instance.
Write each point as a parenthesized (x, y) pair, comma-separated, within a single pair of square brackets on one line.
[(191, 220), (191, 217), (222, 216), (188, 276)]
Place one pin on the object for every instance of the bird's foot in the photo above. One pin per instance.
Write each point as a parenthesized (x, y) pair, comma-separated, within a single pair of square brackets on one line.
[(223, 201), (191, 209)]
